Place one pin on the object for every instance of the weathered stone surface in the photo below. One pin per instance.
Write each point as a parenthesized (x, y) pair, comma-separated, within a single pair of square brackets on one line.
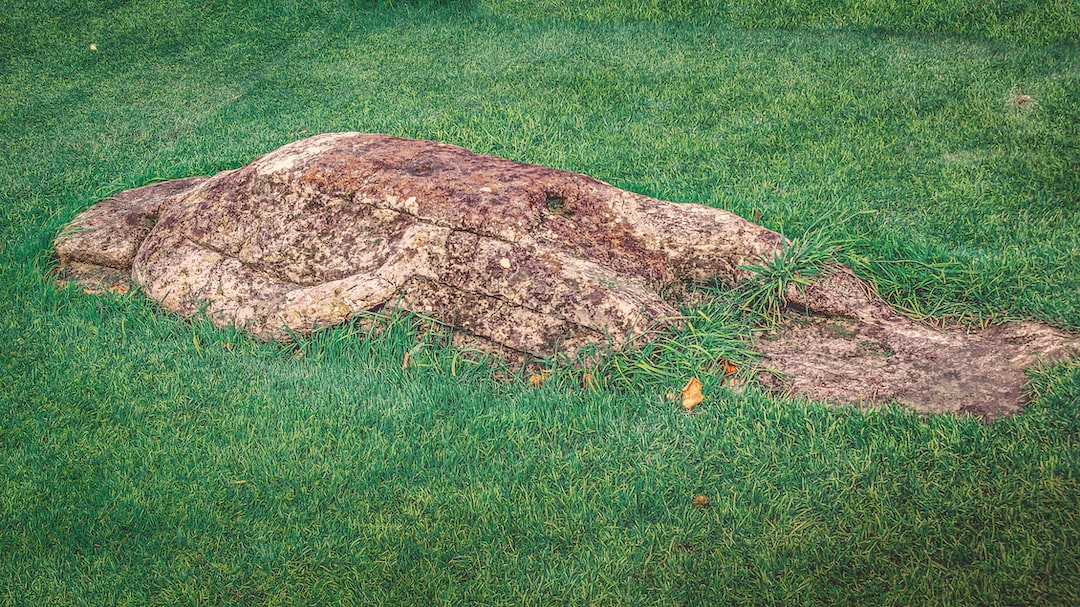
[(535, 259), (840, 343)]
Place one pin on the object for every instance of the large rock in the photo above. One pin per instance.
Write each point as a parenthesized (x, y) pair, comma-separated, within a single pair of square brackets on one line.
[(535, 259)]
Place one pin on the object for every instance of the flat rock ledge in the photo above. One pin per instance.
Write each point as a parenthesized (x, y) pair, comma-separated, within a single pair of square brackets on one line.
[(524, 259), (839, 343)]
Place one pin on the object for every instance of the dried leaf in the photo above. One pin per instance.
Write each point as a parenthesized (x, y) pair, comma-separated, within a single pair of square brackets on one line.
[(409, 355), (537, 379), (701, 501), (691, 394), (729, 368)]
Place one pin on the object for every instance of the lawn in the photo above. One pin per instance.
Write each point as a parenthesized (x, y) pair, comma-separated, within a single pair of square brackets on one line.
[(148, 460)]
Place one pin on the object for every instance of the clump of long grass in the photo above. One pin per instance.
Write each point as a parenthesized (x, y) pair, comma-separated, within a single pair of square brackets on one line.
[(764, 294)]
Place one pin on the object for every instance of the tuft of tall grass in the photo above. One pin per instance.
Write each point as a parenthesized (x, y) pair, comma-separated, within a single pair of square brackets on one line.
[(764, 294)]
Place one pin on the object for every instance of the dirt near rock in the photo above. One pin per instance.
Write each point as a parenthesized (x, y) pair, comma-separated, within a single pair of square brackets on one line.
[(855, 350)]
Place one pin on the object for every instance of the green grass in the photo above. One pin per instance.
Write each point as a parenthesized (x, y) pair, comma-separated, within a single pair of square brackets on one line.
[(148, 460), (1024, 22)]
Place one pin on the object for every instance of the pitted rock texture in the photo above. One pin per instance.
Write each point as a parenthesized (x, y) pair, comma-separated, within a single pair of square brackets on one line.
[(534, 259), (839, 343)]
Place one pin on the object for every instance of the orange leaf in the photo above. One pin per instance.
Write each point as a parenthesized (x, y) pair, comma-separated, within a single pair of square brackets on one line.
[(537, 379), (701, 501), (408, 355), (691, 394)]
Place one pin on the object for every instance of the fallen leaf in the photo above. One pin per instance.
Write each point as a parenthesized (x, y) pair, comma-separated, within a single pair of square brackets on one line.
[(119, 289), (1023, 99), (701, 501), (691, 394), (409, 355), (537, 379), (728, 368), (93, 47), (239, 482)]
